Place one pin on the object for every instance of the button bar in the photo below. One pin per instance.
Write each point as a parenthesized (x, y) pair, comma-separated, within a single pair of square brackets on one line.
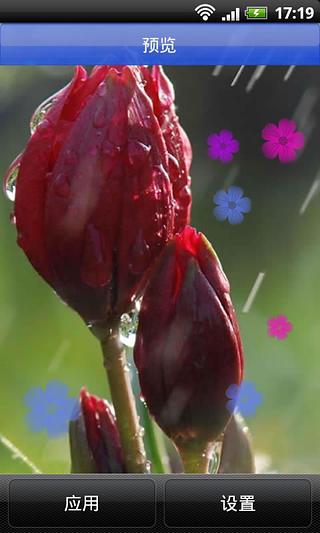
[(158, 503)]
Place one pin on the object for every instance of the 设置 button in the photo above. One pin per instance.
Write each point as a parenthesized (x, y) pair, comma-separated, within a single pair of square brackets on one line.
[(210, 503)]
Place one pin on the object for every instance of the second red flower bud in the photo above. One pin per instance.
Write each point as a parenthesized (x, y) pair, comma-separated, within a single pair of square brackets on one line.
[(188, 349)]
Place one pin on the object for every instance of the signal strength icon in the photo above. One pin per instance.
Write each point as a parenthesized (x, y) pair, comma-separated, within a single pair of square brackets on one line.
[(205, 11), (234, 16)]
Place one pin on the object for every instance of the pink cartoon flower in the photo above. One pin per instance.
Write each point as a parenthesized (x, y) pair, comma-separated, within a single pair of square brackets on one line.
[(223, 146), (279, 327), (283, 141)]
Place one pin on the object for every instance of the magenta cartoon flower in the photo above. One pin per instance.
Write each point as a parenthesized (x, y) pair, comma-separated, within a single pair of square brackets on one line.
[(279, 327), (223, 146), (283, 141)]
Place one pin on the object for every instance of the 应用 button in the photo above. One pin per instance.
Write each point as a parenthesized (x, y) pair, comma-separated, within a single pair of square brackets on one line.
[(82, 503), (210, 503)]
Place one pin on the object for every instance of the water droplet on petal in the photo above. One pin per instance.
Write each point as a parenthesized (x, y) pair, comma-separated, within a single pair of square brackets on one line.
[(102, 89), (99, 118), (41, 111), (44, 124), (140, 256), (61, 186), (148, 121), (138, 153), (165, 122), (157, 172), (184, 196), (109, 148), (96, 270), (71, 157), (174, 169), (165, 95), (10, 178)]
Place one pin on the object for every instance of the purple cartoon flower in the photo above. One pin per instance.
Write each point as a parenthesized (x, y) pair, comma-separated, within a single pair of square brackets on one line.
[(279, 327), (231, 205), (223, 146), (283, 141)]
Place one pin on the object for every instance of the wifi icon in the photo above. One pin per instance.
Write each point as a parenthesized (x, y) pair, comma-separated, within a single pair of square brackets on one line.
[(205, 11)]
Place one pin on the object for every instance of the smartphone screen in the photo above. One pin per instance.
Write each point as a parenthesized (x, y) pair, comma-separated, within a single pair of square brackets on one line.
[(160, 266)]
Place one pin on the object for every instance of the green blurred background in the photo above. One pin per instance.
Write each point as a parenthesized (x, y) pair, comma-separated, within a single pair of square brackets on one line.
[(42, 340)]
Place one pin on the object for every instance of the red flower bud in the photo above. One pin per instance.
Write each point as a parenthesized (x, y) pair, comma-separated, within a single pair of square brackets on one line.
[(102, 185), (188, 348), (94, 438)]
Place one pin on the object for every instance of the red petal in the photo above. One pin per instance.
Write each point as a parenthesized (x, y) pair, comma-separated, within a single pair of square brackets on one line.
[(213, 271), (32, 183), (160, 90), (93, 200), (147, 208)]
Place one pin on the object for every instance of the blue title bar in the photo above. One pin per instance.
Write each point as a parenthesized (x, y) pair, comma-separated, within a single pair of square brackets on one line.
[(166, 44)]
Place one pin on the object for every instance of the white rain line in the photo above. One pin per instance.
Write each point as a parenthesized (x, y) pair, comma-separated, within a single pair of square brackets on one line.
[(217, 70), (59, 356), (237, 76), (315, 187), (308, 131), (305, 107), (255, 77), (231, 177), (253, 292), (289, 72), (18, 454)]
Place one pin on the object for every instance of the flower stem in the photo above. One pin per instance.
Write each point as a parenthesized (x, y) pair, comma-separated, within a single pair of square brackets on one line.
[(115, 362), (196, 457)]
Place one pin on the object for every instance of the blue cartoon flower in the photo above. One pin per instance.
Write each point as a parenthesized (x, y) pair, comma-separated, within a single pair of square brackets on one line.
[(50, 409), (244, 398), (231, 205)]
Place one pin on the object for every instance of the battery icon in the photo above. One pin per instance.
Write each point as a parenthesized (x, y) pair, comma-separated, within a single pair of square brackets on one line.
[(256, 13)]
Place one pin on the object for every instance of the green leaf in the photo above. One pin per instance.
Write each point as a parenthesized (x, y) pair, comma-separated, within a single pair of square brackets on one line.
[(153, 438), (14, 459)]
